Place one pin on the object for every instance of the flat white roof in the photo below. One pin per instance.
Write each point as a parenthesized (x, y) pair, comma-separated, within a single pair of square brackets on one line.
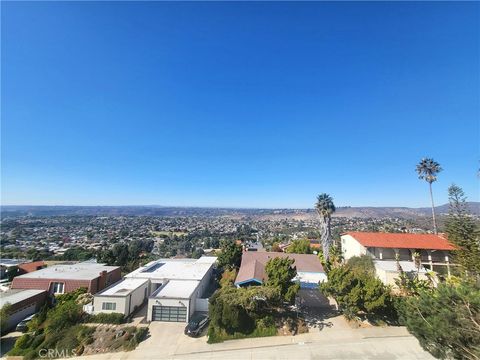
[(177, 289), (391, 266), (123, 287), (15, 296), (175, 269), (81, 271)]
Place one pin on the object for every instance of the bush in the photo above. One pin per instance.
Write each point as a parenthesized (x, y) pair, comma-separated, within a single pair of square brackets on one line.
[(104, 318), (141, 334), (62, 316), (445, 322), (23, 341), (361, 264), (358, 293)]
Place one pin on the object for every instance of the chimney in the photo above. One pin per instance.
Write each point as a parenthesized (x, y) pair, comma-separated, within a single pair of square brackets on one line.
[(102, 280)]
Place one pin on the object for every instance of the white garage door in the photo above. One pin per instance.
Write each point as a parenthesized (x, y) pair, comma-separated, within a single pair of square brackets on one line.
[(169, 313)]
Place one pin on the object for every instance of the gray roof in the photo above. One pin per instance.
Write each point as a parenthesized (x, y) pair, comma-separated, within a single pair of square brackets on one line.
[(80, 271), (16, 295)]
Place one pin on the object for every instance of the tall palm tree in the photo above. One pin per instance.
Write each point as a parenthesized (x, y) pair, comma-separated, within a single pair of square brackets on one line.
[(427, 170), (325, 208)]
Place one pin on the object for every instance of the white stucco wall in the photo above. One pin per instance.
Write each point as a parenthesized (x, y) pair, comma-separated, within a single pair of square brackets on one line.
[(120, 302), (351, 247)]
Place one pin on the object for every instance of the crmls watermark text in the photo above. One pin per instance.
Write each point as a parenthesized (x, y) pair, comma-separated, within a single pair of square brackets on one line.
[(55, 353)]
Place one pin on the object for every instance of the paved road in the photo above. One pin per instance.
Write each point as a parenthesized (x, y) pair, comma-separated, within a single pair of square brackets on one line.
[(334, 340)]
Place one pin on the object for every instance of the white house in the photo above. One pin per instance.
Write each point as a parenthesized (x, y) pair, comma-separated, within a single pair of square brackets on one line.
[(385, 248), (173, 288), (123, 297)]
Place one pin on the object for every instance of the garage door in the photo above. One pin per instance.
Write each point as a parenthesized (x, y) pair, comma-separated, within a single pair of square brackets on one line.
[(169, 313)]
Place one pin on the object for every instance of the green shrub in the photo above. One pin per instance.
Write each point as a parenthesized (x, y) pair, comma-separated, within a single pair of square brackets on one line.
[(358, 293), (63, 315), (30, 355), (361, 264), (445, 321), (23, 341), (104, 318), (37, 341), (141, 334)]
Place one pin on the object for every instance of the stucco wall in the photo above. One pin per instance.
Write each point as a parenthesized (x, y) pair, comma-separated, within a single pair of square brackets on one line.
[(120, 302), (351, 247)]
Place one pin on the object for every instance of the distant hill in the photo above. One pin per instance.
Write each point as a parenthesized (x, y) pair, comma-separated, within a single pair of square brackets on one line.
[(350, 212)]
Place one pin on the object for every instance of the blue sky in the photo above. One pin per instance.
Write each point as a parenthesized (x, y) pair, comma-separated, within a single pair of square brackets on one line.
[(237, 104)]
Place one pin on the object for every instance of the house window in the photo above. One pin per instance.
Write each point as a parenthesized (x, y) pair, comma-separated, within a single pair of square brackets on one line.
[(58, 288), (109, 306)]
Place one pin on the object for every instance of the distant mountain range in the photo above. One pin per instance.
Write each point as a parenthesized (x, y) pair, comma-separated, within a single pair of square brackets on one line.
[(350, 212)]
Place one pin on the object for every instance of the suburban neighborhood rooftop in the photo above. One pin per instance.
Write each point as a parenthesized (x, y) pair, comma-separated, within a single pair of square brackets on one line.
[(81, 271), (187, 269), (182, 289), (123, 287), (16, 295), (401, 240), (253, 264)]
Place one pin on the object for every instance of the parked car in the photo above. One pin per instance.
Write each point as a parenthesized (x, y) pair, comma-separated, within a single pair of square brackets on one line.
[(23, 325), (196, 325)]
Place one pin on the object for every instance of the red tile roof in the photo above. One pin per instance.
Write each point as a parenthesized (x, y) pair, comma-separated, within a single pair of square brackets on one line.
[(253, 264), (401, 241)]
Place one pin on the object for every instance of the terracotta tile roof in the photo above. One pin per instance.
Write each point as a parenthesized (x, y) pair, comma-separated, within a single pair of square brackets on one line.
[(401, 240), (253, 264), (31, 266)]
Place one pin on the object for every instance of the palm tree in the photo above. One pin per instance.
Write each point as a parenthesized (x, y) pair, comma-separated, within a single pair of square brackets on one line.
[(427, 170), (325, 208)]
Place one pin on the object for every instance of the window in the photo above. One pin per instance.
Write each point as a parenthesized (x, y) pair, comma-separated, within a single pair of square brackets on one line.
[(109, 306), (58, 288)]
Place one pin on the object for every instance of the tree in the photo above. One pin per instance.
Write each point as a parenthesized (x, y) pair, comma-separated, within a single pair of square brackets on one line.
[(230, 255), (427, 170), (234, 309), (362, 264), (447, 322), (280, 273), (325, 208), (301, 246), (357, 293), (11, 272), (5, 312), (462, 231)]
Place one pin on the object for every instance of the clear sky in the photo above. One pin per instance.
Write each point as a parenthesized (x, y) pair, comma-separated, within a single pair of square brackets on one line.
[(238, 104)]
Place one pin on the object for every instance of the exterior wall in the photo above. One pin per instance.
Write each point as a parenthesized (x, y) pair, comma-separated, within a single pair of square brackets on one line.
[(351, 247), (126, 304), (137, 297), (166, 302), (103, 280), (201, 305), (120, 301)]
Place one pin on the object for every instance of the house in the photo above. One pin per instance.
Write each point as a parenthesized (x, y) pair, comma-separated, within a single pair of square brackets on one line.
[(252, 269), (123, 297), (173, 288), (23, 303), (6, 264), (434, 250), (59, 279), (30, 267)]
